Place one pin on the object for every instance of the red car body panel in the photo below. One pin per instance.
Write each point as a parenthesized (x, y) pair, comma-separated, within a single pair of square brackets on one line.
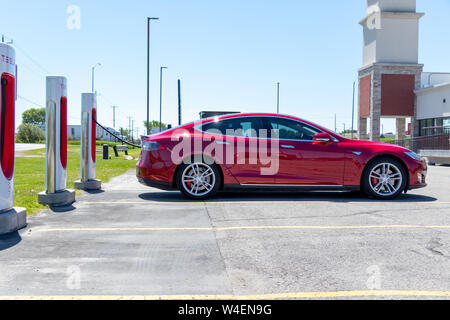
[(304, 163)]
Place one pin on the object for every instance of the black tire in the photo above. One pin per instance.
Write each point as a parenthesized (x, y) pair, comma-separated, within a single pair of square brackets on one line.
[(202, 196), (367, 180)]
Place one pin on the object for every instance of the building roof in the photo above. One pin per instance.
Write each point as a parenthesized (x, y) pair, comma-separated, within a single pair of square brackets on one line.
[(430, 89)]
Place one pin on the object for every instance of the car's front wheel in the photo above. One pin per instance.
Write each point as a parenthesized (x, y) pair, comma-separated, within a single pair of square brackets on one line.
[(384, 179), (198, 180)]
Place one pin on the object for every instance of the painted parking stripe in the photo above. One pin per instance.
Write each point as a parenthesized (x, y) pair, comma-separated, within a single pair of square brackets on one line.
[(274, 296), (242, 228), (263, 202)]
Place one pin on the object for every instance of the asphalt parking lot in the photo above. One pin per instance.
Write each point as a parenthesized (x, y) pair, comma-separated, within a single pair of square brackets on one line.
[(130, 241)]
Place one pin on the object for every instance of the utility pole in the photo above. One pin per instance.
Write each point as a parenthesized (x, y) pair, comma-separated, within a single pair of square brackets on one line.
[(148, 72), (129, 126), (132, 131), (353, 108), (160, 96), (179, 102), (114, 116), (93, 73), (335, 126), (278, 97), (344, 129)]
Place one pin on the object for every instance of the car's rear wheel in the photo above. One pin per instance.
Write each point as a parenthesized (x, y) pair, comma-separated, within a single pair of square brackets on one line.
[(198, 180), (384, 179)]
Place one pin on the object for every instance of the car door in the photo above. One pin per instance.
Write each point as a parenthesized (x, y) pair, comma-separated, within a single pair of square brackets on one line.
[(301, 161), (241, 148)]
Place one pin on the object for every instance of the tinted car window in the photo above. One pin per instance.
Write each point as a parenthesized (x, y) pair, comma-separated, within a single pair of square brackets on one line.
[(292, 130), (239, 127)]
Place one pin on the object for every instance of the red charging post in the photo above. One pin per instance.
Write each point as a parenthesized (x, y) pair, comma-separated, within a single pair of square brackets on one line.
[(56, 194), (88, 147), (11, 219)]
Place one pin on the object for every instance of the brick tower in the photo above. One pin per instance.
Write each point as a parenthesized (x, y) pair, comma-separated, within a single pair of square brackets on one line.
[(391, 69)]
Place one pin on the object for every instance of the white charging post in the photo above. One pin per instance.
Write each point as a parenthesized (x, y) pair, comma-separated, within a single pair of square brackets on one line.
[(87, 144), (56, 194), (11, 219)]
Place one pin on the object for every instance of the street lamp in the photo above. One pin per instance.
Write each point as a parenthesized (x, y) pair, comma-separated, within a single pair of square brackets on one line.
[(93, 69), (148, 72), (278, 97), (160, 97), (353, 109)]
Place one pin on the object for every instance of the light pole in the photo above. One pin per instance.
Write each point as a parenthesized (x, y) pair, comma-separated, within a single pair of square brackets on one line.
[(353, 108), (278, 97), (148, 72), (160, 96), (93, 70)]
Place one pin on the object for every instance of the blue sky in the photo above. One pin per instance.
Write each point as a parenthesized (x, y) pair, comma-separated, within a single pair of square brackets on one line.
[(228, 54)]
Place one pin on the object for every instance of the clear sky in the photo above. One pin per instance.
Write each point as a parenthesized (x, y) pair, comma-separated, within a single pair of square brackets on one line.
[(228, 54)]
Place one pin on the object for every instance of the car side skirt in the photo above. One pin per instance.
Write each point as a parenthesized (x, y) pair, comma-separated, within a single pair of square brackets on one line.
[(275, 187)]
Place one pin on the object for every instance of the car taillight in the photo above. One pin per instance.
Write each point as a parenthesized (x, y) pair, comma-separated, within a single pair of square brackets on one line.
[(152, 146)]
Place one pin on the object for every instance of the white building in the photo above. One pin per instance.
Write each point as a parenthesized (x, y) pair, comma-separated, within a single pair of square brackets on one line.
[(74, 133), (433, 103), (392, 83)]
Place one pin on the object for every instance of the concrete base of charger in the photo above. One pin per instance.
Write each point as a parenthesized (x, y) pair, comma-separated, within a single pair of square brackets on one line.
[(88, 185), (58, 199), (13, 220)]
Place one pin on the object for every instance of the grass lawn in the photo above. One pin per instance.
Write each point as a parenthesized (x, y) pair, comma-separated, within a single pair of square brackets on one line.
[(29, 173)]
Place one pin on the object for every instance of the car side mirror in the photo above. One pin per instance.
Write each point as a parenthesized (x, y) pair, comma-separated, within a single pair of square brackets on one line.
[(322, 138)]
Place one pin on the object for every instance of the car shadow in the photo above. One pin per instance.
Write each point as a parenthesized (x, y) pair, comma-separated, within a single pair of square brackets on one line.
[(273, 196), (9, 240), (94, 191), (62, 209)]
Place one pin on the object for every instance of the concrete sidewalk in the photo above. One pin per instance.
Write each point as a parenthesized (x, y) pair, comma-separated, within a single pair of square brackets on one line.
[(133, 240), (21, 147)]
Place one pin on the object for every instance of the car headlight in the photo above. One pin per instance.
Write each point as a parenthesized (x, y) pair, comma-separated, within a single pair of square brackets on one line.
[(413, 155)]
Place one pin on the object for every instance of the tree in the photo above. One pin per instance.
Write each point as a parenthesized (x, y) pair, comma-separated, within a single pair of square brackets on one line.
[(34, 116), (124, 132), (30, 133), (154, 124)]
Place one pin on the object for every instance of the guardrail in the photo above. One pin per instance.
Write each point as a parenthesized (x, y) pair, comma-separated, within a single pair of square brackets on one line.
[(433, 142)]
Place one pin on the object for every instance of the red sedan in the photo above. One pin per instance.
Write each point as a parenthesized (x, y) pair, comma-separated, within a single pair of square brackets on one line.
[(272, 152)]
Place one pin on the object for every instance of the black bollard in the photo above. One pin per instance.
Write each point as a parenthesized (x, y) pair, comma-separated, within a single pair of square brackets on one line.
[(105, 152)]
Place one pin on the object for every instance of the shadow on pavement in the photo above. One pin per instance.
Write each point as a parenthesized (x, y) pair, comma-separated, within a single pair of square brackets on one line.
[(94, 191), (283, 196), (9, 240), (63, 209)]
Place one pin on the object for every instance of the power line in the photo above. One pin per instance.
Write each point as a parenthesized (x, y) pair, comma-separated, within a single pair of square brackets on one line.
[(28, 100), (31, 59)]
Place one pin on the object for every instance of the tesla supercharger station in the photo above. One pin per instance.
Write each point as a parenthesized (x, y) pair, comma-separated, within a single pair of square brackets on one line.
[(11, 219), (55, 194), (88, 148)]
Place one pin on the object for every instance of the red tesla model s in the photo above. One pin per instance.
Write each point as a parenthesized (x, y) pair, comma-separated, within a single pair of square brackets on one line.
[(273, 152)]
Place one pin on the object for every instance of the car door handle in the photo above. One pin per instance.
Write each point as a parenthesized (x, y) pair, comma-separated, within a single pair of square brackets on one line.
[(286, 146)]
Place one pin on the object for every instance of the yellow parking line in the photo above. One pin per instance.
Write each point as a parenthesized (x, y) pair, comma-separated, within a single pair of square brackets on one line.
[(263, 202), (246, 228), (275, 296)]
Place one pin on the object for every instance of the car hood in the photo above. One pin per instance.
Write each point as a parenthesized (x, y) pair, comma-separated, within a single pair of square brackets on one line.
[(387, 146)]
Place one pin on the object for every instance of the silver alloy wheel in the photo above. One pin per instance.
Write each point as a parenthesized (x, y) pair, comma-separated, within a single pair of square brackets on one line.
[(385, 179), (198, 179)]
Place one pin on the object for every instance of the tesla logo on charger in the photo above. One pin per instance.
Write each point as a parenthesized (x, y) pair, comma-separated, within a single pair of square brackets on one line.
[(7, 59)]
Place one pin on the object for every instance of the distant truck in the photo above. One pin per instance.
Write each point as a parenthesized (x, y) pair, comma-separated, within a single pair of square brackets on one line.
[(209, 114)]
